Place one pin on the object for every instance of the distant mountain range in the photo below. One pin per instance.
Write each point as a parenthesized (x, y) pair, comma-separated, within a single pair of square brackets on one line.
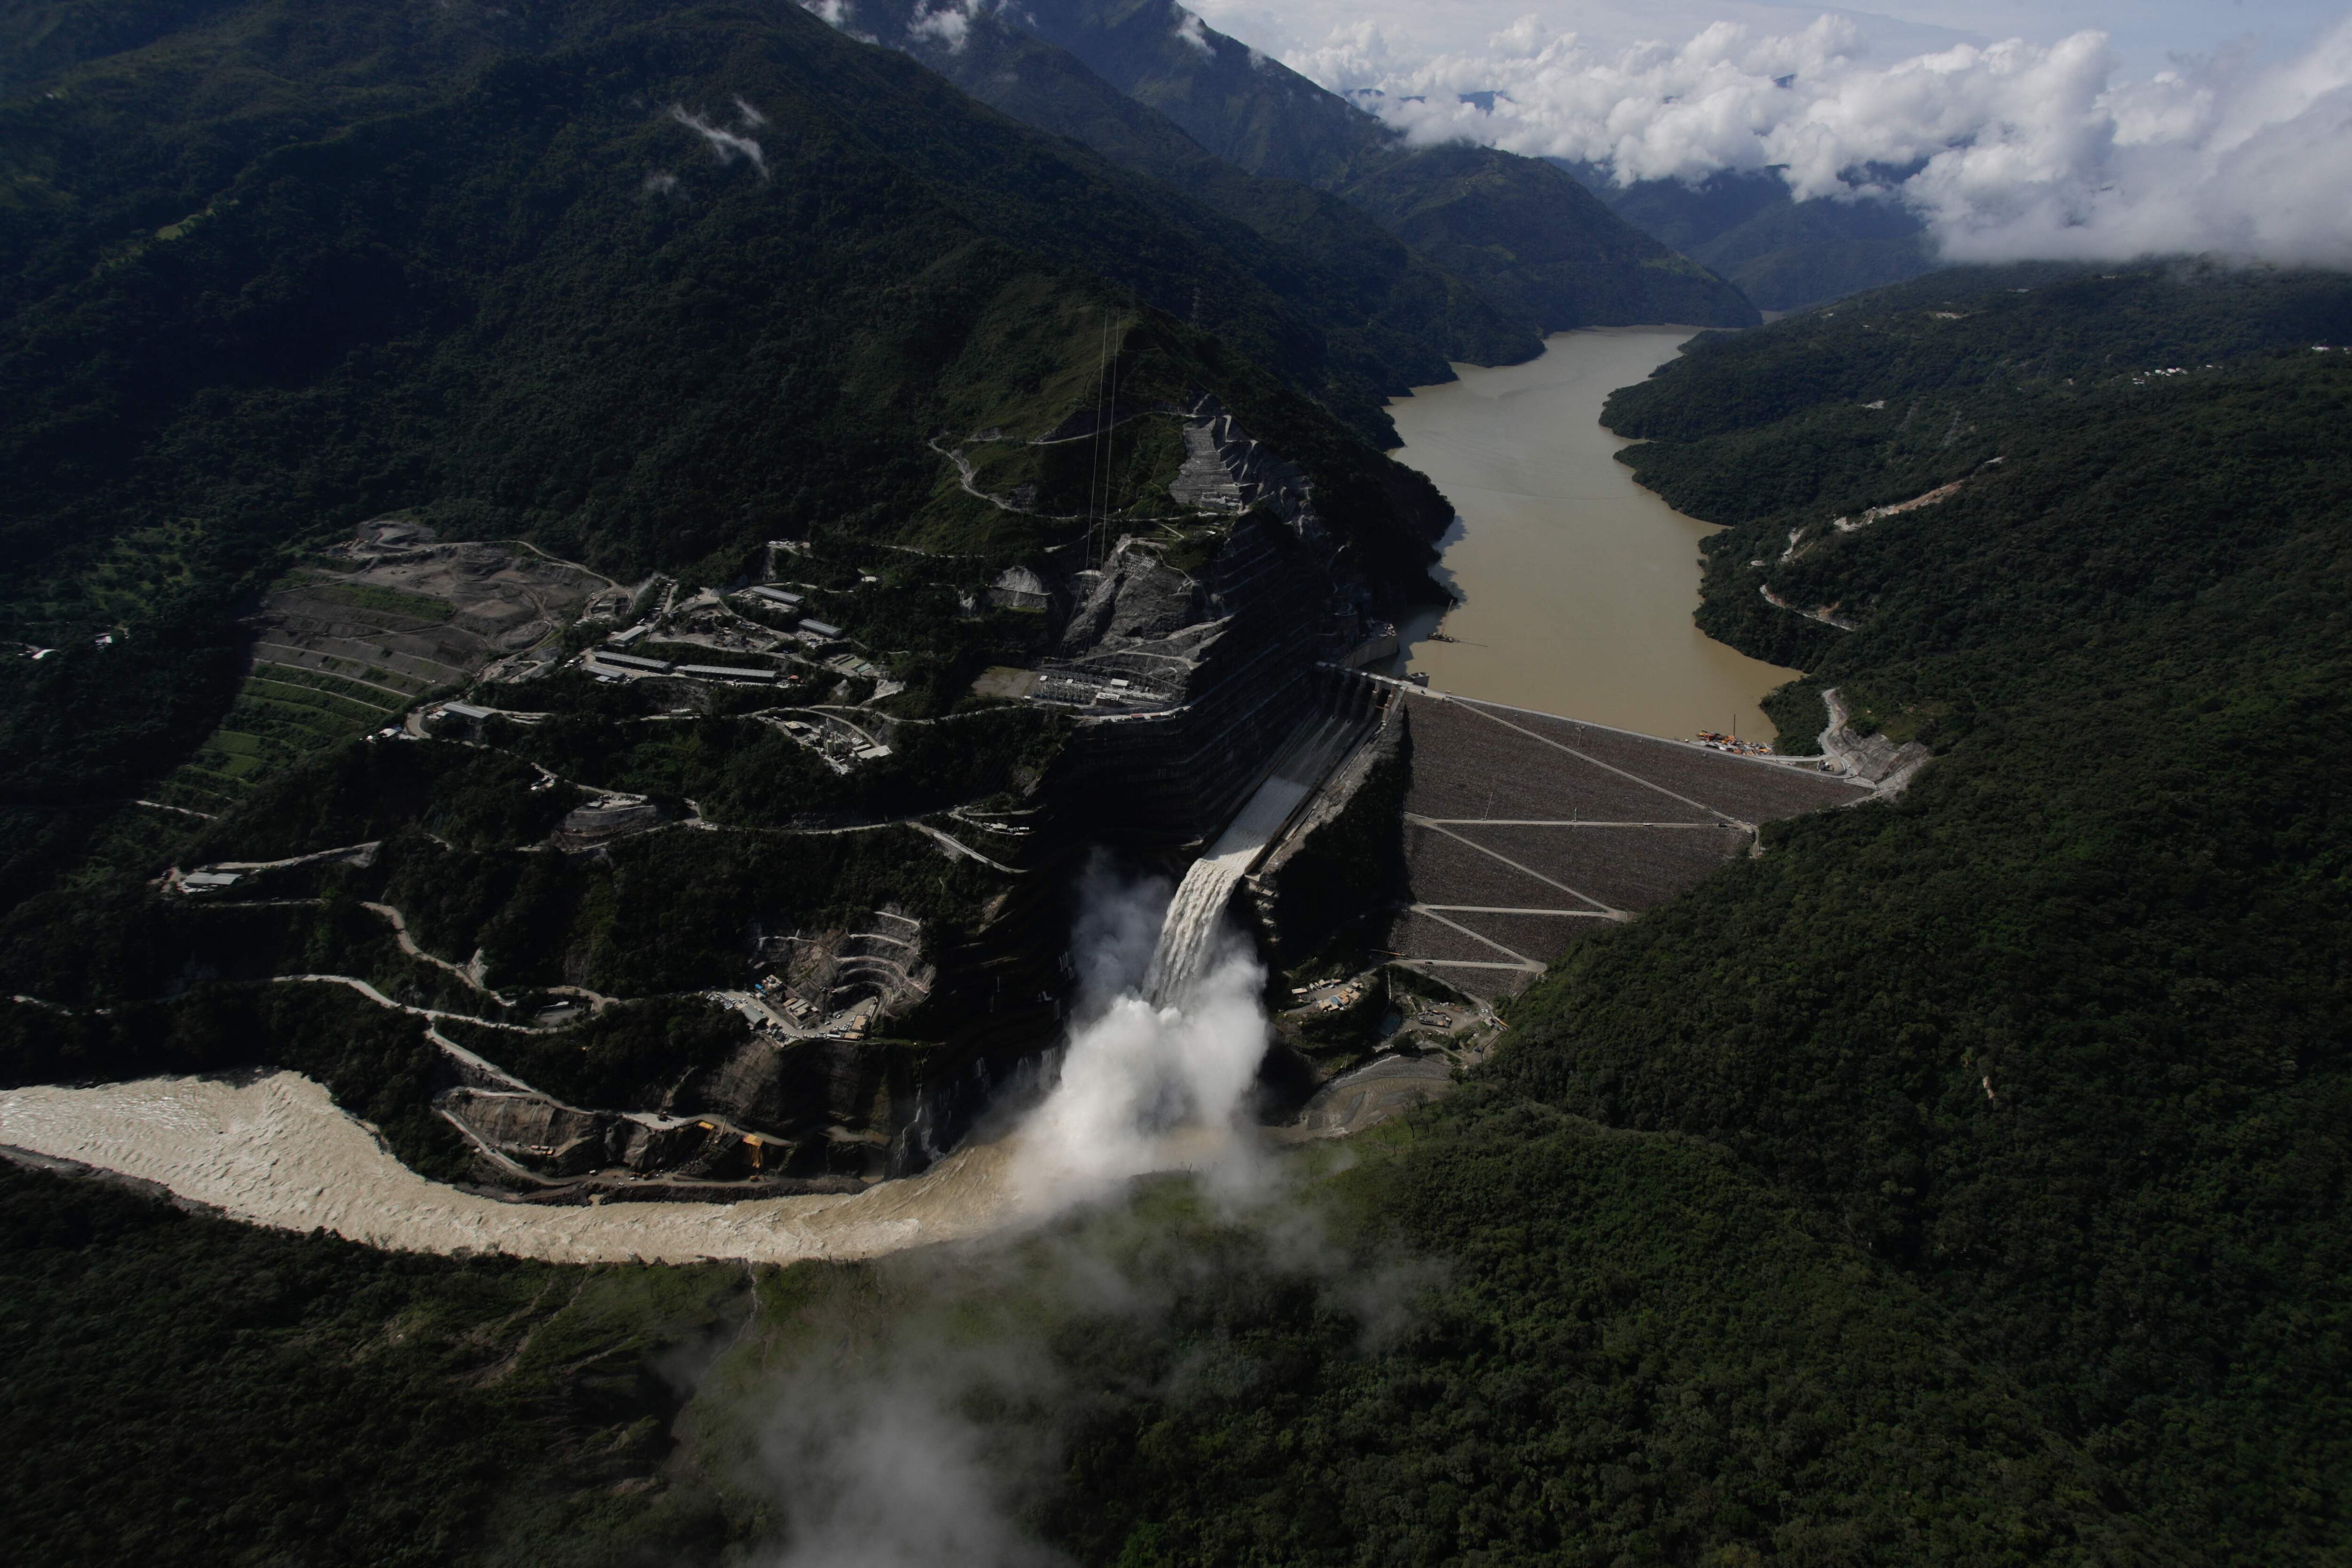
[(1151, 86), (1784, 254), (1515, 230)]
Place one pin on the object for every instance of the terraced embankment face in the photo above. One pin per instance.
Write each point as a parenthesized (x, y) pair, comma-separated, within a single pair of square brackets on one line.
[(337, 653), (1525, 832)]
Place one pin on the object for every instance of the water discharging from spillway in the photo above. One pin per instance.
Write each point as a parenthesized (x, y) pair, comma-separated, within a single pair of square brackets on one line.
[(1163, 1046), (1190, 931), (1171, 1023)]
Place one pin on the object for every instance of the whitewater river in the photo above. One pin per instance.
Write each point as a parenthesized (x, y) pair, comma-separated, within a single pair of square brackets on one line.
[(1576, 588), (1577, 585)]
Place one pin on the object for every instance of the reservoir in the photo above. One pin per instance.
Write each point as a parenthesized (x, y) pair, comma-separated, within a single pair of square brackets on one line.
[(1577, 585)]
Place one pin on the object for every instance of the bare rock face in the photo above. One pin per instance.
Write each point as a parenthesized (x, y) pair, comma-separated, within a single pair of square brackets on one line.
[(1019, 588), (534, 1130), (1135, 597), (810, 1109), (607, 819), (1203, 482), (451, 609), (492, 620), (881, 960), (808, 969), (1141, 631), (1227, 469)]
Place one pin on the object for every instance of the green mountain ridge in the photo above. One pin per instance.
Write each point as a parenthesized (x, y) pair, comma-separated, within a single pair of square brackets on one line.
[(1961, 1178)]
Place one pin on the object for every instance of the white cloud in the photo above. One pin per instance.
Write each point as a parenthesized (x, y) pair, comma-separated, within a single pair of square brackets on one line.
[(2007, 150), (885, 1472), (949, 23), (835, 14), (728, 145), (1420, 29)]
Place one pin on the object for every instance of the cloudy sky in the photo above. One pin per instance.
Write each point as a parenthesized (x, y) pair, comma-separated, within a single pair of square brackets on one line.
[(2075, 128), (2144, 32)]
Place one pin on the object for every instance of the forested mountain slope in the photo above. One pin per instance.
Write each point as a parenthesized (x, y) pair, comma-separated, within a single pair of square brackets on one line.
[(2061, 1036), (1252, 112), (649, 283), (1521, 231), (307, 1398)]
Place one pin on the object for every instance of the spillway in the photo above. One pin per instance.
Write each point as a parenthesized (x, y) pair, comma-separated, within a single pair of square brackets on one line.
[(1189, 934)]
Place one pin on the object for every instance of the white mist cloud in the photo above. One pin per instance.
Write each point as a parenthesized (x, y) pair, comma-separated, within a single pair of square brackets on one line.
[(907, 1421), (884, 1473), (1144, 1088), (727, 145), (2008, 150)]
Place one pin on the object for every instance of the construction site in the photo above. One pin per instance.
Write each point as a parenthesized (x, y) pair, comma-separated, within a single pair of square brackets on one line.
[(1402, 860)]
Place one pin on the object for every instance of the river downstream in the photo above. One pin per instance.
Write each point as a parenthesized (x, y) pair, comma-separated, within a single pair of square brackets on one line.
[(1577, 585)]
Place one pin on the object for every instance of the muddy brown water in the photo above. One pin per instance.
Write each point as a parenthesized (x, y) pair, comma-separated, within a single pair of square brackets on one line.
[(1577, 585)]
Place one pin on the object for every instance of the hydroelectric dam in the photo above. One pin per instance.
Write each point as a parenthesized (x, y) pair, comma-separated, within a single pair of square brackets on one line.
[(1475, 842)]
